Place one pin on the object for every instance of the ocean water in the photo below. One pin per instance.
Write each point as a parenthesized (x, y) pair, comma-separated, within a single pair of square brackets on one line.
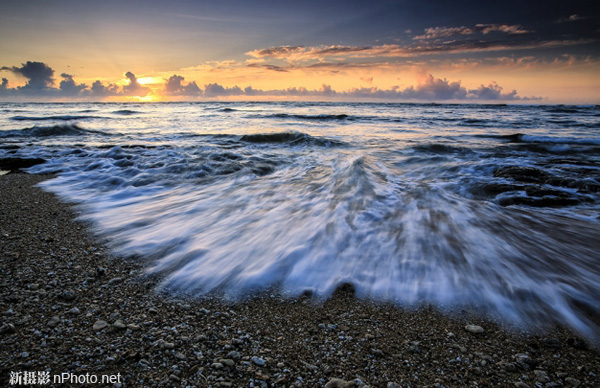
[(491, 206)]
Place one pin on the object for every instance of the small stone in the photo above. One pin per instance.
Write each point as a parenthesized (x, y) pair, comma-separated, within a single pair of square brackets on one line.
[(53, 322), (280, 365), (520, 384), (133, 327), (227, 362), (174, 377), (217, 365), (24, 354), (68, 295), (119, 324), (234, 355), (258, 361), (391, 384), (74, 311), (541, 376), (474, 329), (459, 347), (180, 356), (572, 382), (337, 383), (7, 329), (99, 325)]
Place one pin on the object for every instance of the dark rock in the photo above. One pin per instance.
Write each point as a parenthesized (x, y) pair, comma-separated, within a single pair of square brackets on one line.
[(15, 164)]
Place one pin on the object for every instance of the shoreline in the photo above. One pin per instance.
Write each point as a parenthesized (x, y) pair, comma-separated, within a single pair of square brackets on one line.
[(69, 306)]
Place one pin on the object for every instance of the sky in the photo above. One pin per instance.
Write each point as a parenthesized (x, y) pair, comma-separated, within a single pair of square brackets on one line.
[(457, 51)]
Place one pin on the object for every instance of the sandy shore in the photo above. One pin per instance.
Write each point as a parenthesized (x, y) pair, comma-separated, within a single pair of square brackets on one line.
[(67, 306)]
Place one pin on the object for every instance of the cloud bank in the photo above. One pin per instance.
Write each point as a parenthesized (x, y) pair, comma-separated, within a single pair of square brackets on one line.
[(40, 83)]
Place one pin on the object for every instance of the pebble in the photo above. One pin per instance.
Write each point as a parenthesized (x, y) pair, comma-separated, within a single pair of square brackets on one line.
[(69, 295), (53, 322), (8, 329), (258, 361), (336, 383), (541, 376), (217, 365), (520, 384), (133, 327), (474, 329), (572, 382), (119, 324), (391, 384), (227, 362), (234, 355), (99, 325), (74, 311)]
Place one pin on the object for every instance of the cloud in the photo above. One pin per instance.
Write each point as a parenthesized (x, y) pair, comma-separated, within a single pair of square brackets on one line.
[(68, 87), (39, 75), (442, 32), (511, 30), (571, 18), (99, 90), (134, 88), (268, 67), (175, 87), (216, 90), (439, 32), (40, 84), (294, 55), (430, 89)]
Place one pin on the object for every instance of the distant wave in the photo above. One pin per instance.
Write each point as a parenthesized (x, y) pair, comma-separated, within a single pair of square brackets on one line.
[(523, 138), (55, 130), (563, 110), (438, 148), (321, 117), (126, 112), (293, 138), (63, 118)]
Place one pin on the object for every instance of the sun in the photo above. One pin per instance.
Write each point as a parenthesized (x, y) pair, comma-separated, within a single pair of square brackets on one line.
[(149, 80)]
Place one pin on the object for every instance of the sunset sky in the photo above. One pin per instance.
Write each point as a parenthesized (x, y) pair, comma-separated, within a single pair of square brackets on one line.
[(462, 50)]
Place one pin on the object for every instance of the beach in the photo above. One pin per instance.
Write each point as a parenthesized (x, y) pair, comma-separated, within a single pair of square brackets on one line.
[(70, 306)]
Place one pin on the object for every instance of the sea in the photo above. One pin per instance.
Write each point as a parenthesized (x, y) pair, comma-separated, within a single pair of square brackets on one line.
[(495, 207)]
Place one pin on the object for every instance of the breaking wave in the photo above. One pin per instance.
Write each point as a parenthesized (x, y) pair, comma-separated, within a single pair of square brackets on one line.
[(55, 130)]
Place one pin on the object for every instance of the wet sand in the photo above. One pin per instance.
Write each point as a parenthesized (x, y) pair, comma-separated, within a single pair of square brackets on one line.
[(68, 306)]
